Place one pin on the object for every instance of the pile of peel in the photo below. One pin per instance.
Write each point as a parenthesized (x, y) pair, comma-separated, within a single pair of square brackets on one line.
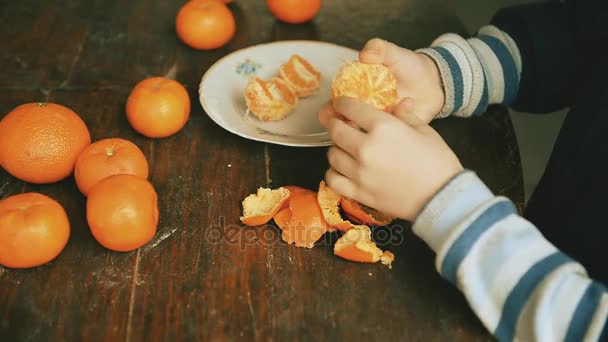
[(304, 216)]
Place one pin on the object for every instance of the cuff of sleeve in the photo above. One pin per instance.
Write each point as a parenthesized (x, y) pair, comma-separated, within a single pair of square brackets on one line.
[(462, 76), (450, 206)]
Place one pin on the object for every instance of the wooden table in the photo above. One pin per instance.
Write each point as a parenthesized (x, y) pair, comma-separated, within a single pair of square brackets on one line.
[(204, 276)]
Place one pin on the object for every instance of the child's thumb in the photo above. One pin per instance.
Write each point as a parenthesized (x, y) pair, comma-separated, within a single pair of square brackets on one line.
[(373, 52)]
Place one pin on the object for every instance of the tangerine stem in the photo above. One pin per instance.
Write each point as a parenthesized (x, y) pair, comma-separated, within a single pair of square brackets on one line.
[(110, 151)]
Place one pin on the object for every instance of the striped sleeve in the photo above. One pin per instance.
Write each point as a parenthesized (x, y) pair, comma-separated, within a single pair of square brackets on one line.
[(520, 286), (476, 72)]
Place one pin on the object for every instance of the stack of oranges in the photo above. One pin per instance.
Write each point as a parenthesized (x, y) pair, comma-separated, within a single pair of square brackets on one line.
[(46, 142)]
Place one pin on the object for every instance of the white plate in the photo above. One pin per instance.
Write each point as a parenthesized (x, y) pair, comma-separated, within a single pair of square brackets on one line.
[(222, 91)]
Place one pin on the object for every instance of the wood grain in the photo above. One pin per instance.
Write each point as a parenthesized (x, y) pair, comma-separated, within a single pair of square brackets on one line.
[(205, 276)]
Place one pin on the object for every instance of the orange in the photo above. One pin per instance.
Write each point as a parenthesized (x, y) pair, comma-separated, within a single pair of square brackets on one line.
[(205, 25), (360, 213), (328, 201), (300, 75), (39, 142), (158, 107), (106, 158), (34, 229), (294, 11), (373, 84), (357, 245), (122, 212), (307, 224), (259, 208), (270, 100)]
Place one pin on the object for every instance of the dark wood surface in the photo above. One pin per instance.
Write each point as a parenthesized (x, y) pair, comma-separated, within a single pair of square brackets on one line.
[(204, 276)]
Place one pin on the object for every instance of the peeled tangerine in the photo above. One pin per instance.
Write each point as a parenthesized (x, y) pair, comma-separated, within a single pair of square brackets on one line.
[(301, 76), (270, 100), (373, 84), (259, 208), (357, 245), (328, 201)]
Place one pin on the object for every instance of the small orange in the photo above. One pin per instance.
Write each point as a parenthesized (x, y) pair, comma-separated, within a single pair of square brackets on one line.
[(307, 224), (205, 24), (108, 157), (373, 84), (294, 11), (122, 212), (360, 213), (158, 107), (259, 208), (39, 142), (34, 229), (300, 75)]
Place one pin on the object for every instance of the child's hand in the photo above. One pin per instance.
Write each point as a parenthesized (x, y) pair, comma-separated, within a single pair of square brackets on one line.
[(418, 78), (388, 165)]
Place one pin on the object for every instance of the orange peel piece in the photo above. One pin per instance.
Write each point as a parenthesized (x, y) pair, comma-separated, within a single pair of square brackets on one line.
[(282, 218), (373, 84), (357, 245), (259, 208), (293, 190), (328, 201), (362, 214), (301, 76), (270, 100), (387, 259), (307, 225)]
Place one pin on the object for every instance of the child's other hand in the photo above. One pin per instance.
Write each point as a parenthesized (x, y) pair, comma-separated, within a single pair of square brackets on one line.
[(388, 165), (418, 78)]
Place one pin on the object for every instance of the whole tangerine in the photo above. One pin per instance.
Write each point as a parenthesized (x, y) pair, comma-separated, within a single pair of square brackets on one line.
[(122, 212), (34, 229), (158, 107), (106, 158), (294, 11), (205, 24), (39, 142)]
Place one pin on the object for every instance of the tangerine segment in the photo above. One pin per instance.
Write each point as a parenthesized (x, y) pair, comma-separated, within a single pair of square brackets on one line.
[(307, 224), (270, 100), (357, 245), (300, 75), (282, 218), (373, 84), (260, 207), (328, 201), (362, 214)]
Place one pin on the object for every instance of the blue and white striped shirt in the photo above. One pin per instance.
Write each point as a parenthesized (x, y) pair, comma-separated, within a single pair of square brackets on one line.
[(519, 284)]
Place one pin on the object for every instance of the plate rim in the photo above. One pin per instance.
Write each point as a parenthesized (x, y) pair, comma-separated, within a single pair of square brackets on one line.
[(205, 106)]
